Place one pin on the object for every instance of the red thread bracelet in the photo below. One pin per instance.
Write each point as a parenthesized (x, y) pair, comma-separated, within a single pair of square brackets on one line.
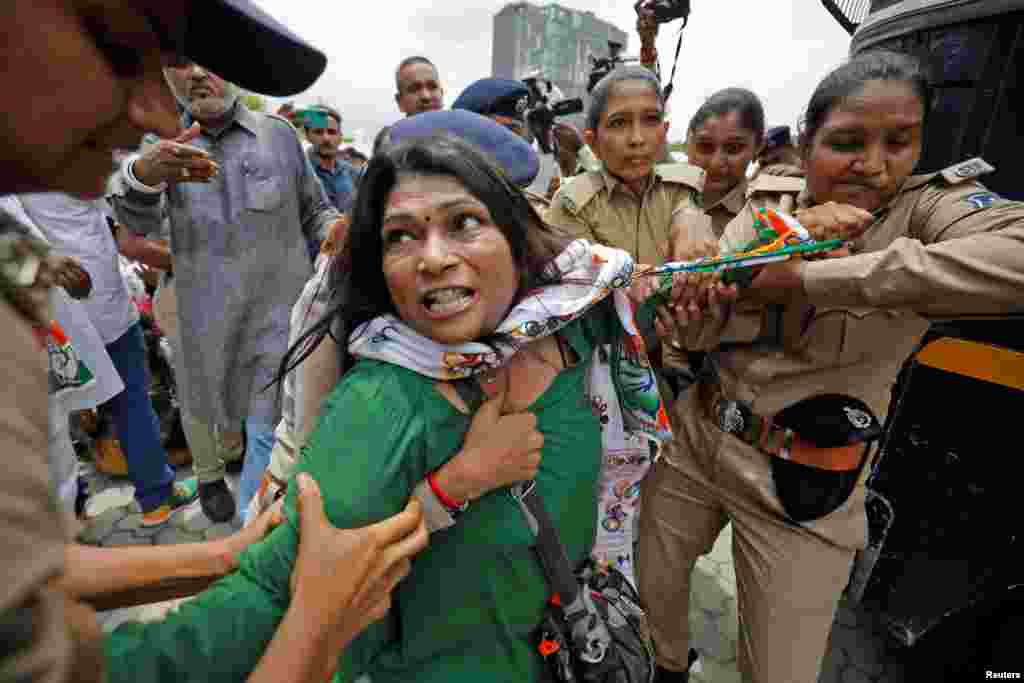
[(442, 496)]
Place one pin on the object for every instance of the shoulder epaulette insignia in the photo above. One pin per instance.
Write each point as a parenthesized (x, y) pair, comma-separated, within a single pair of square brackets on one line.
[(776, 184), (966, 170), (685, 174), (574, 194)]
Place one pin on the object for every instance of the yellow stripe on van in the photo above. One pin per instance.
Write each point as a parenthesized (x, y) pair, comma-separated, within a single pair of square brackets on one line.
[(975, 359)]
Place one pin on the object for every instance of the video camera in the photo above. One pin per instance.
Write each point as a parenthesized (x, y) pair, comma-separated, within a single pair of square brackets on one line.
[(664, 11), (602, 66), (546, 103)]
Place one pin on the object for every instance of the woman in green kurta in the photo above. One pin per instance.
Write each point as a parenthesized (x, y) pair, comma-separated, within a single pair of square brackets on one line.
[(447, 271)]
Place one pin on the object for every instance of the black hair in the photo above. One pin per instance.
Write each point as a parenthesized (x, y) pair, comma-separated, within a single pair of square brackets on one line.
[(603, 90), (740, 100), (354, 153), (409, 61), (848, 79), (380, 140), (359, 292)]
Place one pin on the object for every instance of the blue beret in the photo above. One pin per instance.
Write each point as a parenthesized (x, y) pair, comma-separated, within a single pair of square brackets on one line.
[(495, 96), (514, 155), (777, 136)]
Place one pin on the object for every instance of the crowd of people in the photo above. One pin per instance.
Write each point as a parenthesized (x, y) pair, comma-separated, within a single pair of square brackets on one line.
[(326, 311)]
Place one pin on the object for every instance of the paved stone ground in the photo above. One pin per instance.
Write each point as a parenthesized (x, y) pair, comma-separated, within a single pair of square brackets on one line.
[(113, 518), (858, 652)]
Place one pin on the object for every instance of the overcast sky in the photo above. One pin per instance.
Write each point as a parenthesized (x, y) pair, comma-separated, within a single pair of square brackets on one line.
[(780, 49)]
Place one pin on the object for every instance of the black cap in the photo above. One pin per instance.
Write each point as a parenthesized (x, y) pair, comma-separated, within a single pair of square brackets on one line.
[(500, 96), (777, 136), (243, 44)]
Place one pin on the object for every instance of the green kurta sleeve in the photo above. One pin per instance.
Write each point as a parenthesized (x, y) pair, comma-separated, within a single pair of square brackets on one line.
[(367, 455)]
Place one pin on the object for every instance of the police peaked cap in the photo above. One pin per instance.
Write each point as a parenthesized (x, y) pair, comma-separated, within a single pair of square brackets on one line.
[(514, 155), (777, 136), (500, 96)]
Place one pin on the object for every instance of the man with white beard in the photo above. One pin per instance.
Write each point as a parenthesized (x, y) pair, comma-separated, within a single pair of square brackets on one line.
[(243, 201)]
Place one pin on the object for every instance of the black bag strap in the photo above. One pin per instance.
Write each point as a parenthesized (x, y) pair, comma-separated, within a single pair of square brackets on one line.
[(470, 391), (550, 551), (589, 633)]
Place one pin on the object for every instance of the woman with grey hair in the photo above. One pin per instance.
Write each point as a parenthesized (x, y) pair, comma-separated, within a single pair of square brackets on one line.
[(628, 201)]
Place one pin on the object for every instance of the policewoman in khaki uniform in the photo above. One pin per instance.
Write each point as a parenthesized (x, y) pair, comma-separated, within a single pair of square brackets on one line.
[(723, 139), (923, 247), (629, 201)]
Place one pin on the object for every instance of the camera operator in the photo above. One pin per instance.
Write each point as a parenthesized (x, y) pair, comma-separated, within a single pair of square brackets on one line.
[(557, 143)]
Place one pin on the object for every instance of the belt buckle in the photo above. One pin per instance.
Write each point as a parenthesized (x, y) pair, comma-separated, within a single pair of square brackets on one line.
[(732, 416)]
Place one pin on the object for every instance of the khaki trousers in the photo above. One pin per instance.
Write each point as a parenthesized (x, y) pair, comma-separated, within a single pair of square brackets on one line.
[(789, 576), (211, 447)]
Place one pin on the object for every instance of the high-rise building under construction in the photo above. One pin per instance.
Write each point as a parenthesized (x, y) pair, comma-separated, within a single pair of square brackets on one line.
[(552, 39)]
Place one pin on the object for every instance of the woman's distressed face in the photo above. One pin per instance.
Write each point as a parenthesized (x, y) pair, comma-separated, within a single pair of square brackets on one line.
[(448, 267), (867, 146)]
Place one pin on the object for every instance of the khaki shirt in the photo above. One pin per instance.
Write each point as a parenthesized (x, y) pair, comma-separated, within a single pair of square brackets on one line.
[(598, 207), (725, 209), (708, 222), (700, 223), (31, 525), (944, 246)]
